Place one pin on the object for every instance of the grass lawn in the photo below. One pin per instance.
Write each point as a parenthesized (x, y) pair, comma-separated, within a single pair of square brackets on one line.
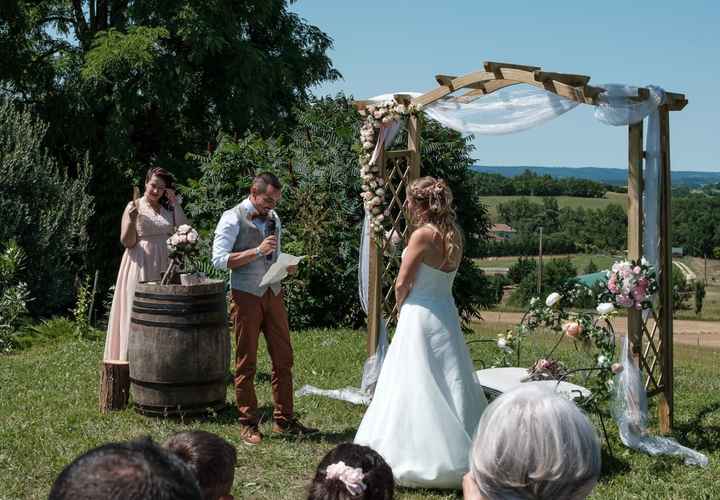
[(579, 260), (563, 201), (48, 415)]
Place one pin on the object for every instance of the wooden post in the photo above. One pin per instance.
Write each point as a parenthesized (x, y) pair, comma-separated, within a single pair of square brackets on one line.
[(375, 282), (114, 385), (413, 145), (665, 406), (635, 226)]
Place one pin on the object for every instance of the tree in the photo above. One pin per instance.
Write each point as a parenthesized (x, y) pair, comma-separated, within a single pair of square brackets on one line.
[(43, 210), (135, 83)]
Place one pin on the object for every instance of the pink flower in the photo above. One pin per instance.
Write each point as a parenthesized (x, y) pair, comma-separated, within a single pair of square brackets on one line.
[(572, 329), (617, 368), (637, 270)]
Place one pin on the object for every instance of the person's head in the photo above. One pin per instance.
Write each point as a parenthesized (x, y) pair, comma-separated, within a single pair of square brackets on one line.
[(136, 470), (430, 201), (265, 192), (157, 180), (352, 472), (533, 443), (210, 458)]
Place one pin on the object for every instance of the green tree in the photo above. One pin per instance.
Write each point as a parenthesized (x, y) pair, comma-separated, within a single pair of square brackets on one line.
[(136, 83), (43, 209)]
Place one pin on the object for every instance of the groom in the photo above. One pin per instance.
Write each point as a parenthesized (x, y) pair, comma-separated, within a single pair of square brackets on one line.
[(247, 241)]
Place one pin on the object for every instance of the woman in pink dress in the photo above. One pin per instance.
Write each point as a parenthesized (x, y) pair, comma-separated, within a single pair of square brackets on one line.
[(146, 225)]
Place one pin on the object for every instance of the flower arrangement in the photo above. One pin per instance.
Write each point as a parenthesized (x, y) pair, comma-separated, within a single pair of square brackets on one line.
[(630, 285), (182, 245), (376, 117), (546, 369), (588, 330)]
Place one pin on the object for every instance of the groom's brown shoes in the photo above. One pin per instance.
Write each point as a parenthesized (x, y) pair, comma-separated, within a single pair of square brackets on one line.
[(292, 427), (250, 434)]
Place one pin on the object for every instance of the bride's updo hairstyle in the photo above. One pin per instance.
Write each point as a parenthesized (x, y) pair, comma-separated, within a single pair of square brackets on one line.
[(352, 472), (432, 203)]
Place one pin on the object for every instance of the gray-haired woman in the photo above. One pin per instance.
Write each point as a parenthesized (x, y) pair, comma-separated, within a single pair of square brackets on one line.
[(533, 443)]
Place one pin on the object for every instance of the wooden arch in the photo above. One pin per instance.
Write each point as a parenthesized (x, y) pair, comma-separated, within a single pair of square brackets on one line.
[(651, 339)]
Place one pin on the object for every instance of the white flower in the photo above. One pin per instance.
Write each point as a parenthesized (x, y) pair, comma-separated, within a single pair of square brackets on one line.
[(643, 261), (552, 299), (376, 211), (380, 192), (362, 112), (602, 360), (184, 228), (605, 308), (192, 236), (534, 301)]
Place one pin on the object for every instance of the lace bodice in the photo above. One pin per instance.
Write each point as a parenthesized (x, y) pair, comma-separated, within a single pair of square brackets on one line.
[(152, 224)]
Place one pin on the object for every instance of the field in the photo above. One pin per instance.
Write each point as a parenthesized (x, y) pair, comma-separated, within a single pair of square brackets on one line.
[(563, 201), (48, 415), (711, 304), (580, 261)]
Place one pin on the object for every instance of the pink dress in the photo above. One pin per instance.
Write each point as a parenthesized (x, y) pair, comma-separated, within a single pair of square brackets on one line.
[(146, 261)]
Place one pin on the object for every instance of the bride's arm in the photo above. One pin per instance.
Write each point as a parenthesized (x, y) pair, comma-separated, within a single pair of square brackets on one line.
[(420, 240)]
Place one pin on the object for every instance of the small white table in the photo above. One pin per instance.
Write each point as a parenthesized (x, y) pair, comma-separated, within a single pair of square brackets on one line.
[(496, 381)]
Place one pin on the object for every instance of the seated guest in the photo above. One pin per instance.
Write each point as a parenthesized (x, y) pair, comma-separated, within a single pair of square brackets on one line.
[(210, 458), (136, 470), (533, 443), (352, 472)]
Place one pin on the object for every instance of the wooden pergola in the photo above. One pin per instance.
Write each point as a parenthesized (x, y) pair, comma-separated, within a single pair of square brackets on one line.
[(651, 339)]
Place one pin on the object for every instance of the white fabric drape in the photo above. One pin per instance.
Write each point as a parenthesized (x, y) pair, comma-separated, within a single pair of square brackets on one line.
[(629, 409)]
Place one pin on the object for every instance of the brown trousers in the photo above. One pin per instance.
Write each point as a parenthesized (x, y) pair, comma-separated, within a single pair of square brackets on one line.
[(250, 315)]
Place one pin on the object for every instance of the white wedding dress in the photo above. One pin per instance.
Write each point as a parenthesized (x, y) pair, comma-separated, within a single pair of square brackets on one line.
[(427, 401)]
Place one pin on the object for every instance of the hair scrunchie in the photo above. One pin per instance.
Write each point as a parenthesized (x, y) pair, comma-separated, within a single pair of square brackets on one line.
[(351, 477)]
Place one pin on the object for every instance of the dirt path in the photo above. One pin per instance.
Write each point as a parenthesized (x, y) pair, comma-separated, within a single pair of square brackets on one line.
[(687, 332)]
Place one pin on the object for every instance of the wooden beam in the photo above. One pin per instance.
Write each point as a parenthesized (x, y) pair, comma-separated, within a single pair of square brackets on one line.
[(665, 404), (635, 226), (566, 78), (445, 80), (432, 96), (493, 66)]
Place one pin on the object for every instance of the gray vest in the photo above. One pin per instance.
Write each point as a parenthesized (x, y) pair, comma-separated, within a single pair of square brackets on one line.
[(247, 278)]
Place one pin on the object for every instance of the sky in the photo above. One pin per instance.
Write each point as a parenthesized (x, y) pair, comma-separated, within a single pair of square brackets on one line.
[(390, 46)]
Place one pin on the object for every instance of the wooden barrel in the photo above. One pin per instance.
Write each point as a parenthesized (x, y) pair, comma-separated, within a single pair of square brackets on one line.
[(179, 348)]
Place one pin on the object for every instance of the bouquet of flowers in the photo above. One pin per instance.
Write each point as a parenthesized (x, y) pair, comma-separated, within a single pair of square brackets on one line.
[(630, 285), (181, 246), (183, 243), (546, 369)]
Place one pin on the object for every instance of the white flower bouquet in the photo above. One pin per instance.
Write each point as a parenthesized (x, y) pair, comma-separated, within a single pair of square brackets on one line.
[(182, 245)]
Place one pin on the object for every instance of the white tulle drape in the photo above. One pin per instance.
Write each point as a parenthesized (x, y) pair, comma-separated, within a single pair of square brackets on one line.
[(629, 409), (514, 109)]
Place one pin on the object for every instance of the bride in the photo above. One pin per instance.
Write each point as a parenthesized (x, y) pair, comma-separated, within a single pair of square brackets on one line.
[(427, 402)]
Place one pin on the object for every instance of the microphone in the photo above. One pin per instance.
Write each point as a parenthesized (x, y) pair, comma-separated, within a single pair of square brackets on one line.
[(270, 231)]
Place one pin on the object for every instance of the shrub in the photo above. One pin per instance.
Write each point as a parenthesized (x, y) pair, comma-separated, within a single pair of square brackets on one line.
[(14, 294), (44, 209), (521, 268)]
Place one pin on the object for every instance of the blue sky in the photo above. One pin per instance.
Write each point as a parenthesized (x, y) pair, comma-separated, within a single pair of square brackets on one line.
[(391, 46)]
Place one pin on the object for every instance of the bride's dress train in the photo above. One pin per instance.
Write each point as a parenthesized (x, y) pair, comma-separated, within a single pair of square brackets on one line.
[(427, 402)]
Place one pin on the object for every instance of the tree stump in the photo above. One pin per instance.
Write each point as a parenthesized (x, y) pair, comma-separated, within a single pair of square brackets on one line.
[(114, 385)]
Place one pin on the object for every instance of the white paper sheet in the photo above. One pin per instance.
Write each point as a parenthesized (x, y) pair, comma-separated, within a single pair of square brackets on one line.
[(278, 271)]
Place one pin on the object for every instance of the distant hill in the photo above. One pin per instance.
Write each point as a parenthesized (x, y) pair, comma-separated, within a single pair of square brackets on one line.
[(615, 176)]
